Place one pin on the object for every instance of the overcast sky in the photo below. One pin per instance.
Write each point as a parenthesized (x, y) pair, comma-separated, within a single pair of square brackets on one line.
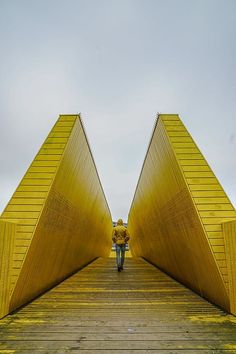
[(118, 62)]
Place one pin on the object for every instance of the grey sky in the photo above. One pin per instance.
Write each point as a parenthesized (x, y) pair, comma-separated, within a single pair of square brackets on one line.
[(118, 62)]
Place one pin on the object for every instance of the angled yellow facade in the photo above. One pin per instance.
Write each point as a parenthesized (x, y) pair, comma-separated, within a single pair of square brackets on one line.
[(177, 215), (57, 220)]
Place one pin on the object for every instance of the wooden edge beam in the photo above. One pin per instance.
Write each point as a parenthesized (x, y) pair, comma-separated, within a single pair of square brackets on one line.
[(7, 237), (229, 232)]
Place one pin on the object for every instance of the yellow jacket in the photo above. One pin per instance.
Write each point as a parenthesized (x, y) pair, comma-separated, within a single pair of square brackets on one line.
[(120, 234)]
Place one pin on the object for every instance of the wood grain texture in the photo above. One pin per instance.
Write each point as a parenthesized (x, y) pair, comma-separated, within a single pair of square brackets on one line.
[(33, 189), (63, 220), (229, 231), (99, 310), (177, 212), (7, 238)]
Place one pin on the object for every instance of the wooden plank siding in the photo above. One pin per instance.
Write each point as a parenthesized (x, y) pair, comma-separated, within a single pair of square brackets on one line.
[(177, 213), (212, 203), (33, 189), (98, 310), (57, 178)]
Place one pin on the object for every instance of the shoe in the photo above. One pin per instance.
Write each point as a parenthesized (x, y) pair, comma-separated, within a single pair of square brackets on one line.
[(119, 269)]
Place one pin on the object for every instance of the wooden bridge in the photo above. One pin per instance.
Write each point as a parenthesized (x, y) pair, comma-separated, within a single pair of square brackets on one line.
[(59, 289), (98, 310)]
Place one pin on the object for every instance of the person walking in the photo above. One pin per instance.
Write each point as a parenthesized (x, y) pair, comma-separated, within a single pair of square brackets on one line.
[(120, 237)]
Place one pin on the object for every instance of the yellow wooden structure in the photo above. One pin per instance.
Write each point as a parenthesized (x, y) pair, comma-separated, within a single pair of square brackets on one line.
[(57, 220), (178, 215)]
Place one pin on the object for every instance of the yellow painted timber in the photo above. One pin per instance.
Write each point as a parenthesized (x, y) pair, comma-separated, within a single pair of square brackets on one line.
[(229, 231), (176, 216), (7, 237), (62, 217), (99, 310)]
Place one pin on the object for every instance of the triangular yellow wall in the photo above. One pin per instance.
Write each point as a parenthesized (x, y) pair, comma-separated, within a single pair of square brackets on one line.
[(62, 220), (177, 213)]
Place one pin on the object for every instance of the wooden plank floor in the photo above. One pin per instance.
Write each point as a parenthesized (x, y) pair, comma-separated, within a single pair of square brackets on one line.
[(98, 310)]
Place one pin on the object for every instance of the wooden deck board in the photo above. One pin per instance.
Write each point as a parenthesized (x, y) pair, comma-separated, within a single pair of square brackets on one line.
[(98, 310)]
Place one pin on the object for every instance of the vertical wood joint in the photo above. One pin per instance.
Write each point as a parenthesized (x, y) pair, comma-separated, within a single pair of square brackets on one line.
[(229, 232), (7, 237)]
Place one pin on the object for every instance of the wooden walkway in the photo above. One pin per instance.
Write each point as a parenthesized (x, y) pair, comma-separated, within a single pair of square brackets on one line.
[(98, 310)]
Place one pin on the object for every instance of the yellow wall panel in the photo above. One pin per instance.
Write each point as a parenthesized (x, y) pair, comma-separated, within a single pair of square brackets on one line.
[(192, 162), (215, 207), (207, 193), (24, 228), (198, 174), (50, 157), (229, 232), (45, 163), (24, 207), (45, 169), (21, 214), (7, 237), (62, 217), (211, 200), (203, 187), (25, 201), (55, 145), (184, 144), (33, 194), (188, 156), (59, 134), (39, 175), (46, 150), (192, 168), (176, 216), (217, 214), (180, 140), (216, 241)]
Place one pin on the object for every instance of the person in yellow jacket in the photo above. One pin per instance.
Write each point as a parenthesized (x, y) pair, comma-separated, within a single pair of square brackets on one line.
[(120, 237)]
